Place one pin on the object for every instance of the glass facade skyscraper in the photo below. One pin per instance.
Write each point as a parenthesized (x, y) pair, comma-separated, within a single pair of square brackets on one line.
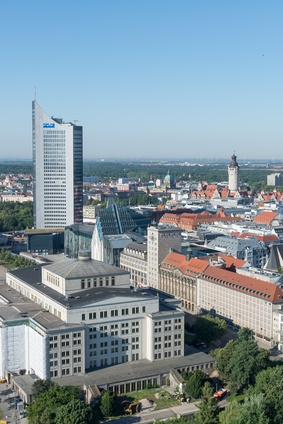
[(57, 171)]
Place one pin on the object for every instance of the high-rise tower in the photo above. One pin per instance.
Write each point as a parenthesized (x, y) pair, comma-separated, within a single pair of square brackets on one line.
[(233, 174), (57, 149)]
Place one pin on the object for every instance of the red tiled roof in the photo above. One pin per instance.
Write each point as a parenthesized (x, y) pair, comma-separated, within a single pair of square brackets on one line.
[(241, 283), (178, 261), (230, 260), (197, 265), (265, 238), (174, 260), (265, 217)]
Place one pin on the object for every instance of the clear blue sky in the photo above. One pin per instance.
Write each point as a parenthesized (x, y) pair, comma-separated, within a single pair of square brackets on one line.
[(146, 78)]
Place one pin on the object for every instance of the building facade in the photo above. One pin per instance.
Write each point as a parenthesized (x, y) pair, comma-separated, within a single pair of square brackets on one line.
[(275, 179), (178, 277), (248, 249), (134, 260), (80, 314), (242, 301), (159, 242), (58, 170)]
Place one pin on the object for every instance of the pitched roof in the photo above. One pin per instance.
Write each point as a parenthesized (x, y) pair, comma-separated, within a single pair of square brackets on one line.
[(76, 268), (193, 266), (265, 238), (173, 260), (241, 283), (197, 265), (265, 217), (231, 260)]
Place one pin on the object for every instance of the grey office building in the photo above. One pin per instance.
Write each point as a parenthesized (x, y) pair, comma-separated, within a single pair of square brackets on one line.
[(58, 170)]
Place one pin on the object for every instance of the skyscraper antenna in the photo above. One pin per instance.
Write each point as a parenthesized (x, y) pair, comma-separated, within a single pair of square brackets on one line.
[(35, 92)]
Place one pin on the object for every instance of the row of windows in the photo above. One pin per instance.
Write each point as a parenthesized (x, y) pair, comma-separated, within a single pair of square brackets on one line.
[(97, 282), (113, 313)]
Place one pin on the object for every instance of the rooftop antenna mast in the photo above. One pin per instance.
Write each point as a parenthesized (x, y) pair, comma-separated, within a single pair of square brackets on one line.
[(35, 92)]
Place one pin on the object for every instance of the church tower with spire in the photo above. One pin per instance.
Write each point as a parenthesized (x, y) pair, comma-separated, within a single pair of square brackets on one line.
[(233, 174)]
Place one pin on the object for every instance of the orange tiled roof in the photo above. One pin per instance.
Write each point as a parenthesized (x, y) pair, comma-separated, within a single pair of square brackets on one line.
[(230, 260), (193, 267), (265, 217), (268, 238), (197, 265), (241, 283), (265, 238), (173, 260)]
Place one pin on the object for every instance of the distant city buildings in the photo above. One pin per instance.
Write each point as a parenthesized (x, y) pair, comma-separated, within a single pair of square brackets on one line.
[(58, 170), (275, 179)]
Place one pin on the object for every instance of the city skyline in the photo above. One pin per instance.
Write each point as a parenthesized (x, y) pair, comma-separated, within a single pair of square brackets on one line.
[(146, 79)]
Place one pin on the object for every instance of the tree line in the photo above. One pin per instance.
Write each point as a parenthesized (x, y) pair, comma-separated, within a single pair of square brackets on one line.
[(105, 171)]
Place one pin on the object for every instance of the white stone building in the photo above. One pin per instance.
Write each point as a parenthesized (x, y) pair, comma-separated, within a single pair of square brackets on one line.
[(134, 260), (241, 300), (75, 315)]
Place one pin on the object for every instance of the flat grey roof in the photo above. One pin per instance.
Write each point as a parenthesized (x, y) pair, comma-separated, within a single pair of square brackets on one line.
[(25, 382), (131, 371), (32, 276), (14, 306)]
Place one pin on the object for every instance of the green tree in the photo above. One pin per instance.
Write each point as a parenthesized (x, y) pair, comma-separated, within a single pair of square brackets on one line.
[(223, 357), (247, 360), (16, 216), (208, 409), (74, 412), (107, 404), (252, 411), (195, 383), (269, 384), (208, 328), (40, 386), (47, 403)]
